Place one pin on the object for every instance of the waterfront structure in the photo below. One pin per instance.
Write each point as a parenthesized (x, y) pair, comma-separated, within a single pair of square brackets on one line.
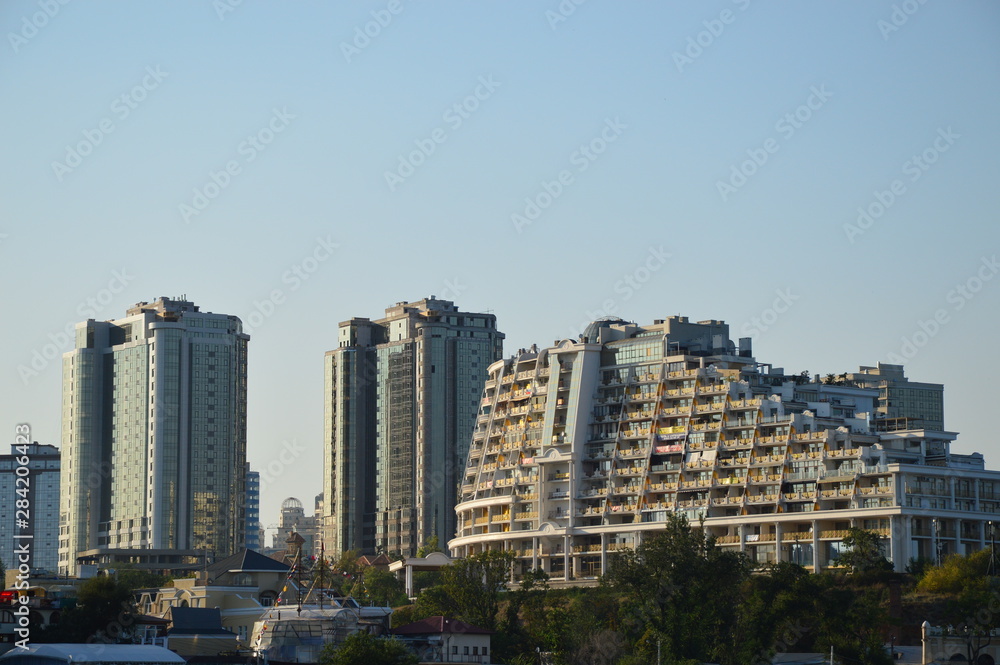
[(401, 398), (154, 434), (583, 448), (251, 536), (40, 487)]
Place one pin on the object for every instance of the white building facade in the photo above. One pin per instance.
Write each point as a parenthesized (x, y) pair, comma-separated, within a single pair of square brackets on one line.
[(582, 449)]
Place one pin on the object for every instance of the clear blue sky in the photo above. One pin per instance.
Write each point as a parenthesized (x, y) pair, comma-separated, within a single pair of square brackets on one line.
[(116, 114)]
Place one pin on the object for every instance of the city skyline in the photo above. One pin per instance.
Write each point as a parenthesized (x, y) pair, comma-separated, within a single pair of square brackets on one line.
[(818, 177)]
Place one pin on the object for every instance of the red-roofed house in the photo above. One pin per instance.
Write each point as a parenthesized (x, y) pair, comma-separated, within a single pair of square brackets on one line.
[(441, 640)]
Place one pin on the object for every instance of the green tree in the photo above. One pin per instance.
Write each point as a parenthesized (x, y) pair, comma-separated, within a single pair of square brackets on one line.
[(104, 612), (434, 601), (382, 588), (363, 648), (134, 578), (682, 592), (847, 613), (864, 553), (770, 607), (970, 596), (432, 545), (475, 583), (345, 573), (956, 574)]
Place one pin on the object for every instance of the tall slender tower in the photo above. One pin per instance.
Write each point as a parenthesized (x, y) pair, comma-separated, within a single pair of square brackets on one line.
[(154, 433), (402, 394)]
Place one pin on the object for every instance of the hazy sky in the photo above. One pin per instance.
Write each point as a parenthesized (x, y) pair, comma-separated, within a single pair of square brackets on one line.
[(820, 176)]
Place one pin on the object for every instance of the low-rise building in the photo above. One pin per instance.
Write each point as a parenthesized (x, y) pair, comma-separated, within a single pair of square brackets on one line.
[(948, 644), (440, 640), (241, 586)]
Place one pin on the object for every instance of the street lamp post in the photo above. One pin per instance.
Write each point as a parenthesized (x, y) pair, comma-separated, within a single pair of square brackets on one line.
[(937, 542), (992, 569)]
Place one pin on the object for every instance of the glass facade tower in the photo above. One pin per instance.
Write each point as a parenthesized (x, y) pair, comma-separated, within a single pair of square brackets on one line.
[(402, 394), (154, 433)]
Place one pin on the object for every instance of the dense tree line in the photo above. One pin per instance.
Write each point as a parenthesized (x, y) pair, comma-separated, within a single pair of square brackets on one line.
[(677, 595), (680, 595)]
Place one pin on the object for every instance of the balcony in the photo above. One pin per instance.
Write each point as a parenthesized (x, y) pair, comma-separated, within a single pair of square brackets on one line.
[(633, 452), (733, 480), (745, 403), (760, 538), (793, 536)]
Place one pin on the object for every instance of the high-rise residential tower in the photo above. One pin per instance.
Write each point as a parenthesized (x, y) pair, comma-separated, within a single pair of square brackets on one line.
[(402, 394), (40, 486), (154, 434)]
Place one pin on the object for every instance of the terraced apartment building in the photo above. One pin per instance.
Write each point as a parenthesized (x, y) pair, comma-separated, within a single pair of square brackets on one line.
[(582, 449)]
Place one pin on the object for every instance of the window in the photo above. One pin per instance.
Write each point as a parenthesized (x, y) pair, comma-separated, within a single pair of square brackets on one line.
[(454, 651), (466, 651)]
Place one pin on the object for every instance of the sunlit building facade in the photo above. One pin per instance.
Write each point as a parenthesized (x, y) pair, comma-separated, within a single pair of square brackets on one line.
[(154, 433), (401, 399), (582, 449)]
